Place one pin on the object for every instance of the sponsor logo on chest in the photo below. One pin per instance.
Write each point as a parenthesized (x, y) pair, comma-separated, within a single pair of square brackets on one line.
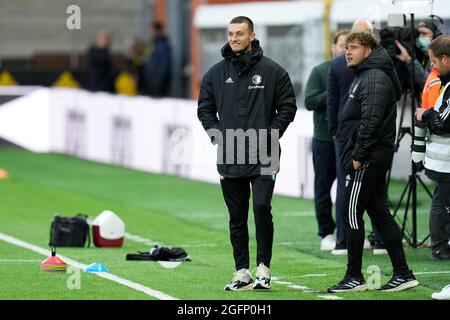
[(257, 80)]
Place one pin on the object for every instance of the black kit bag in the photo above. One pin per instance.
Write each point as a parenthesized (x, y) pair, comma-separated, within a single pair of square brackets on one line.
[(158, 253), (69, 232)]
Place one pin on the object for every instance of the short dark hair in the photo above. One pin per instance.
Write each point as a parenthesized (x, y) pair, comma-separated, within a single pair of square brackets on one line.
[(243, 19), (363, 38), (338, 34), (441, 46)]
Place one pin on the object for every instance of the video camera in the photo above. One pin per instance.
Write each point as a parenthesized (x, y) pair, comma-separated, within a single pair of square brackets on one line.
[(396, 31), (388, 38)]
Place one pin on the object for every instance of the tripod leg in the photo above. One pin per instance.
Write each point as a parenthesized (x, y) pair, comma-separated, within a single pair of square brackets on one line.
[(425, 186), (431, 196), (423, 241), (404, 235), (401, 199)]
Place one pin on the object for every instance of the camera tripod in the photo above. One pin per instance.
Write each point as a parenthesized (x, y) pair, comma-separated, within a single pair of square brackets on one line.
[(410, 189)]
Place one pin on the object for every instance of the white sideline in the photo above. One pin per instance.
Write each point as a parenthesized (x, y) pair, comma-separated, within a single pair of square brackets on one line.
[(431, 272), (136, 286), (331, 297)]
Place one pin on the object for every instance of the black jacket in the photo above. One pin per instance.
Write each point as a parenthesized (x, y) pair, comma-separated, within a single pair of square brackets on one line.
[(367, 123), (249, 91), (100, 69), (157, 69)]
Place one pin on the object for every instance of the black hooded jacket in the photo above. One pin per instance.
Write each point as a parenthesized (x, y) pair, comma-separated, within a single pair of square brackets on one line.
[(367, 123), (249, 91)]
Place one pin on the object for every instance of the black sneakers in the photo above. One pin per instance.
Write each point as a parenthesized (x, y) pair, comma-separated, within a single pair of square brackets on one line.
[(349, 284), (400, 282), (442, 253), (396, 283)]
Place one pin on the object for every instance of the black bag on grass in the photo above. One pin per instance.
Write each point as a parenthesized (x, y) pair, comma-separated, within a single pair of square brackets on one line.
[(158, 253), (69, 232)]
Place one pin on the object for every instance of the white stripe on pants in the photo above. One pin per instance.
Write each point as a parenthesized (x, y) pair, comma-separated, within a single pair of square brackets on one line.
[(356, 188)]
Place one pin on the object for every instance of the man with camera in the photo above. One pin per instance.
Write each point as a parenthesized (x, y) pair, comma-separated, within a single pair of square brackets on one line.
[(426, 32), (437, 154), (366, 136)]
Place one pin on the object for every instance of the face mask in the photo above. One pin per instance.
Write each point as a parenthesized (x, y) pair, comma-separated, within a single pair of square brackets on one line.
[(423, 43)]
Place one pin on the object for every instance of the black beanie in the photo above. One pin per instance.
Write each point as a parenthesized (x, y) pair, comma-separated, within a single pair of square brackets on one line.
[(430, 25)]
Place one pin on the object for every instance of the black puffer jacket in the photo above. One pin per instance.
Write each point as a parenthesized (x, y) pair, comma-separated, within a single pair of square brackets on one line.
[(248, 91), (367, 123)]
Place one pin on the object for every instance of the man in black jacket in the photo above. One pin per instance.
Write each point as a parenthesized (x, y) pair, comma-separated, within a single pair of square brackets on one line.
[(340, 78), (246, 103), (366, 136), (100, 65)]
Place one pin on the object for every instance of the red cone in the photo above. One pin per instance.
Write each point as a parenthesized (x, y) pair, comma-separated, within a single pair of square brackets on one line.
[(53, 264)]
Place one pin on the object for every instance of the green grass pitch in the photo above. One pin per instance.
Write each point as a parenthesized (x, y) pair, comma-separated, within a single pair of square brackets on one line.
[(175, 212)]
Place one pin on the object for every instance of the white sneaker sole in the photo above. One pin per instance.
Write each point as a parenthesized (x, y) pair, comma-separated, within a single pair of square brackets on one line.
[(362, 287), (339, 252), (405, 286), (379, 251), (440, 296)]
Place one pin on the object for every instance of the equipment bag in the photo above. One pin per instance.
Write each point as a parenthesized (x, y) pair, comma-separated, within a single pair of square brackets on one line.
[(69, 232)]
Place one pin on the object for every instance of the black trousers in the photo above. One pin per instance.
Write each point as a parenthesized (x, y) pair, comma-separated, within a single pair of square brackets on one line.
[(366, 191), (341, 232), (324, 162), (236, 192), (440, 216)]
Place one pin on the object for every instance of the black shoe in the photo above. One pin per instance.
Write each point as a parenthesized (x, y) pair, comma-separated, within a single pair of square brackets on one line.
[(400, 282), (349, 284), (441, 254)]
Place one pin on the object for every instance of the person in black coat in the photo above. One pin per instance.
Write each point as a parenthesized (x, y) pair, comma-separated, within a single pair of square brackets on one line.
[(366, 136), (246, 103), (156, 70), (99, 64), (340, 77)]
